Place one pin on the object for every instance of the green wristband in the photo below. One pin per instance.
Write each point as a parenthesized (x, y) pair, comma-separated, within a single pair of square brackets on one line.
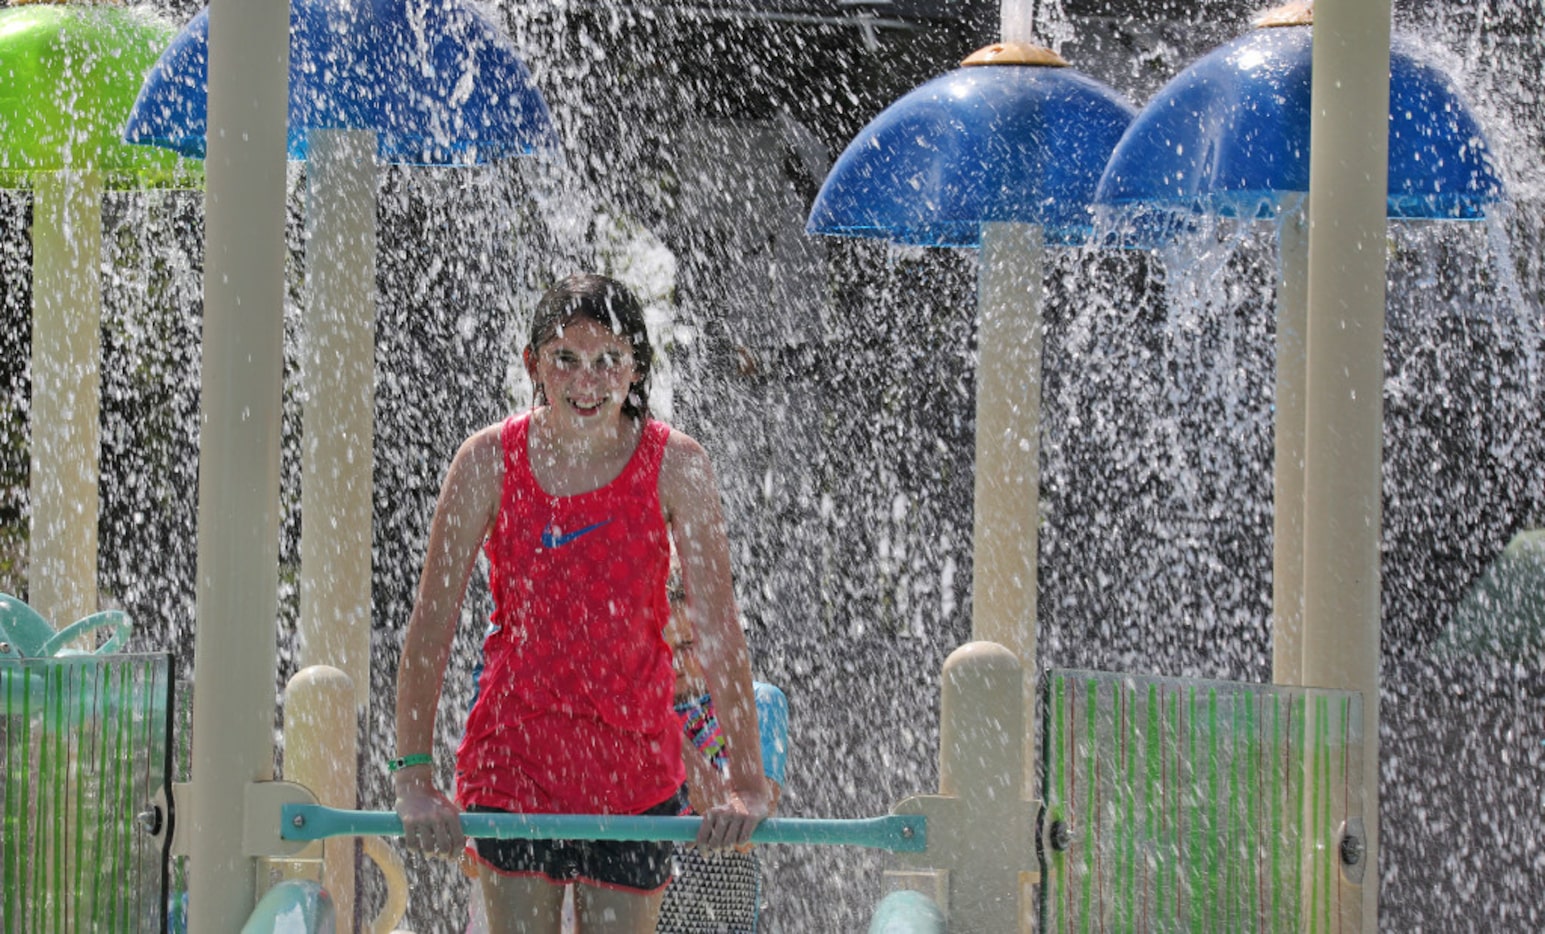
[(402, 762)]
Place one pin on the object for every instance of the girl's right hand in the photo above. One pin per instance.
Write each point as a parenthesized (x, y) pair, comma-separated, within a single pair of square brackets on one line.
[(731, 822), (431, 823)]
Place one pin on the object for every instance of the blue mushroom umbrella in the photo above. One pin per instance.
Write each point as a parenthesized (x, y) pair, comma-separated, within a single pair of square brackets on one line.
[(435, 81), (1229, 137), (1002, 154), (1012, 136)]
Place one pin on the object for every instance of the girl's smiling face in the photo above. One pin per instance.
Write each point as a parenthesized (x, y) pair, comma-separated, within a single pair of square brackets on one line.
[(585, 371)]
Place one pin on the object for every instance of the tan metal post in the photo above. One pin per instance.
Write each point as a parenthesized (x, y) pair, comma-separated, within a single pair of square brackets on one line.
[(66, 393), (321, 752), (1008, 437), (980, 862), (339, 408), (1006, 533), (1348, 181), (1287, 530), (235, 648)]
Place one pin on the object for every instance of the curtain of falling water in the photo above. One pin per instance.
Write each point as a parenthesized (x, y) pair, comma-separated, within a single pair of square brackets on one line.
[(151, 298), (1465, 471), (842, 461), (15, 351), (1156, 550)]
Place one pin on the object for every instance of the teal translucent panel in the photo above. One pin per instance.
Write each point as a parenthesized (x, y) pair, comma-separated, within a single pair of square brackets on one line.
[(1189, 805), (83, 754)]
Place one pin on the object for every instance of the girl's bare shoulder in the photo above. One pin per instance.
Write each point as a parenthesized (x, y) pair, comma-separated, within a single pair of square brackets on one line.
[(689, 493), (481, 444), (487, 436), (480, 459), (685, 461)]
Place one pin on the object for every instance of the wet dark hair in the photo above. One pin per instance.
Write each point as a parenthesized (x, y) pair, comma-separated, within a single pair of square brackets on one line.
[(610, 304)]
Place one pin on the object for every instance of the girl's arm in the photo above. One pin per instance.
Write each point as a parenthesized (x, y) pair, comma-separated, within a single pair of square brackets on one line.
[(464, 513), (690, 498), (706, 785)]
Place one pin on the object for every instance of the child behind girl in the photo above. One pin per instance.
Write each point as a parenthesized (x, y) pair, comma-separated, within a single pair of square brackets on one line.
[(721, 892)]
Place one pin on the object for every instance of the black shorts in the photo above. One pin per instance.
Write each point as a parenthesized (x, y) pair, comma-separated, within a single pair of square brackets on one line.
[(617, 864)]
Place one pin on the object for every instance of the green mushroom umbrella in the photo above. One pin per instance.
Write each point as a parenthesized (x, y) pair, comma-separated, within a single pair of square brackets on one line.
[(68, 76)]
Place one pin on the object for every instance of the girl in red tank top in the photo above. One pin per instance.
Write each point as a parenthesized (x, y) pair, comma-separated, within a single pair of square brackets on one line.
[(576, 504), (559, 727)]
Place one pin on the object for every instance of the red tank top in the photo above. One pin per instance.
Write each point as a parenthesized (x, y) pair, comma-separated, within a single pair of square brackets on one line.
[(574, 711)]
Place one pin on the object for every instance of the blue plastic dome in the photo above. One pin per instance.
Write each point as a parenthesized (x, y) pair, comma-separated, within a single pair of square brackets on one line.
[(1230, 136), (436, 79), (1020, 143)]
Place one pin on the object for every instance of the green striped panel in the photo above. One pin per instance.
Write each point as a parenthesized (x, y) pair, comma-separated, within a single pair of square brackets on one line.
[(83, 752), (1193, 805)]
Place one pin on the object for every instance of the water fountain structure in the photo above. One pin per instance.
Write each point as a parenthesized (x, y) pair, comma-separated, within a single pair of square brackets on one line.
[(71, 73), (212, 253), (1230, 136)]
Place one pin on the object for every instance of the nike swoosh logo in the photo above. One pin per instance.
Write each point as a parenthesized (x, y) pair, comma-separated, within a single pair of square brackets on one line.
[(549, 540)]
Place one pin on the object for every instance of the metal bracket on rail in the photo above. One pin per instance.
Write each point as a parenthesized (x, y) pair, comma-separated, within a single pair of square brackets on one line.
[(261, 835)]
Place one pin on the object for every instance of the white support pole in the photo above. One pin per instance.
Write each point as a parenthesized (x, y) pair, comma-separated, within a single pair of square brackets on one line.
[(1008, 435), (1287, 531), (235, 648), (1343, 455), (66, 393), (338, 372)]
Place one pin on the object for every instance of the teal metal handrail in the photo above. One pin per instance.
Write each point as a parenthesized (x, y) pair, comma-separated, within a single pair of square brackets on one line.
[(898, 833)]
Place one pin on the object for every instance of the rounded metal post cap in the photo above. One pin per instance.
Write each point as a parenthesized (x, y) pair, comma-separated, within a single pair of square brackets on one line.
[(1297, 13), (321, 677), (983, 656), (1014, 53)]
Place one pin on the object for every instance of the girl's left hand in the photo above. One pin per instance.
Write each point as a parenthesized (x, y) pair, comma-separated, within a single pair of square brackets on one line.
[(731, 822)]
